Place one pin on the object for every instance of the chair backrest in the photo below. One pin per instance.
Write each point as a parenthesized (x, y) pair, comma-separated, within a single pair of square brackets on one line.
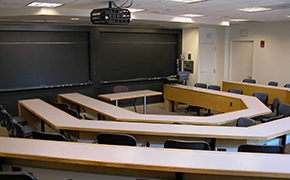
[(116, 139), (2, 118), (276, 104), (234, 90), (273, 83), (287, 85), (16, 176), (200, 85), (48, 136), (74, 113), (249, 81), (262, 97), (180, 144), (62, 106), (182, 77), (245, 122), (121, 88), (214, 87), (8, 119), (284, 109), (261, 148), (18, 130)]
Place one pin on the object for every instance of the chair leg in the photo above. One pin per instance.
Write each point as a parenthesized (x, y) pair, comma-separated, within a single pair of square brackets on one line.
[(179, 176), (135, 107), (209, 113), (198, 112)]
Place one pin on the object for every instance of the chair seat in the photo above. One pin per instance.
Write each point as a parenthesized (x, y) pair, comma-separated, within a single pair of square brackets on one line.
[(29, 129), (20, 120), (269, 115)]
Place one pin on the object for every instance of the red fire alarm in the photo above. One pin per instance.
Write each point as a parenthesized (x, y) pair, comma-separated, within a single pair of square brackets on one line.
[(262, 44)]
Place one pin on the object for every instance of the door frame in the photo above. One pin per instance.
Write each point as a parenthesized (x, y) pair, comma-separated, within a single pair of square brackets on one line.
[(231, 55)]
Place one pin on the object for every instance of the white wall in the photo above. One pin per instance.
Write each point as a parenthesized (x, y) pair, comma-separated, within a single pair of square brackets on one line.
[(273, 61), (190, 45)]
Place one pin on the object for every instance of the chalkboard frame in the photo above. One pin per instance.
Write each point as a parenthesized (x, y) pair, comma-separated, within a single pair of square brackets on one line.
[(50, 28), (136, 30)]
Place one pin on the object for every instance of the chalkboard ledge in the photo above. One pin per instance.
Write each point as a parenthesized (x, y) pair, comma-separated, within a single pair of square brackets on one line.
[(46, 87), (133, 80)]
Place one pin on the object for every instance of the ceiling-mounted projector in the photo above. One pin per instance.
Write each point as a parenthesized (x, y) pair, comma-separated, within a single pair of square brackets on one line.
[(112, 16)]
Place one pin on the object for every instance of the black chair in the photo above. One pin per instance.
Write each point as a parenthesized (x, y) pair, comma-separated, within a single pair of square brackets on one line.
[(181, 144), (182, 77), (74, 113), (287, 85), (121, 88), (118, 139), (67, 108), (196, 108), (18, 119), (283, 111), (234, 90), (274, 107), (200, 85), (16, 176), (23, 131), (263, 97), (48, 136), (2, 118), (212, 87), (273, 83), (249, 81), (15, 129), (245, 122), (62, 106), (261, 148)]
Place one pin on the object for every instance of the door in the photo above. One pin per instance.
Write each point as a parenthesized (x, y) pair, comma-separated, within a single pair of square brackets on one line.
[(241, 60), (207, 63)]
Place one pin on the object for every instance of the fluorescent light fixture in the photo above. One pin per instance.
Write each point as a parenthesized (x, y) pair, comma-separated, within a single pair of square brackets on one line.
[(185, 1), (193, 15), (132, 10), (182, 19), (44, 4), (288, 16), (239, 20), (255, 9), (74, 19)]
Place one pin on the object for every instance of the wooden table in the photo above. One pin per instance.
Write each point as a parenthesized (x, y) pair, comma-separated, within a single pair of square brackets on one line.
[(130, 95), (145, 162), (36, 110), (250, 88), (245, 106)]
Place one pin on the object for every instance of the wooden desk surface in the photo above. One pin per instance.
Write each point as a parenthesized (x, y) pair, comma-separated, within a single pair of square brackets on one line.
[(128, 95), (35, 109), (254, 108), (151, 159), (250, 88)]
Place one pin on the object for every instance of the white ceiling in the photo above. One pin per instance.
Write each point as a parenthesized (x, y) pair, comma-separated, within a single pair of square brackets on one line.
[(158, 12)]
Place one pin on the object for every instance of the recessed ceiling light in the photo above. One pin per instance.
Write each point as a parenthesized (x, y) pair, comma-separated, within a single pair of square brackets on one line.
[(74, 19), (255, 9), (239, 20), (132, 10), (185, 1), (193, 15), (44, 4)]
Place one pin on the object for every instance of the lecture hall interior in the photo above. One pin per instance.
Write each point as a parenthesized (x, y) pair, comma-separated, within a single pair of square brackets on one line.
[(199, 87)]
